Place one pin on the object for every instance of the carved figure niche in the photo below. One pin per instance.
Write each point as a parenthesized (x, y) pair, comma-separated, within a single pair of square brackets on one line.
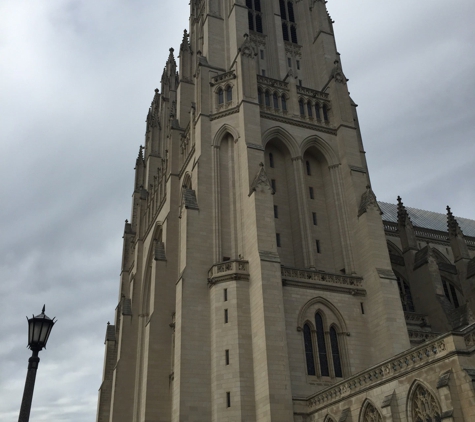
[(322, 212), (279, 168), (227, 206)]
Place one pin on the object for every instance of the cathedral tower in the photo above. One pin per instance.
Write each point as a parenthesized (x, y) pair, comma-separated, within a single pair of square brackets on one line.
[(255, 270)]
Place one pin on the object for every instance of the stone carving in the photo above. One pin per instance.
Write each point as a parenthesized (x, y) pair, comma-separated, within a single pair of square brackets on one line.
[(325, 277), (424, 406), (371, 414), (338, 74), (228, 271), (248, 49), (261, 181), (368, 199)]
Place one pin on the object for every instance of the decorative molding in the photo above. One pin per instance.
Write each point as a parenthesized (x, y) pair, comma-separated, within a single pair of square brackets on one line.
[(272, 83), (222, 78), (290, 274), (269, 256), (255, 146), (224, 113), (299, 123), (301, 90), (261, 180), (234, 270)]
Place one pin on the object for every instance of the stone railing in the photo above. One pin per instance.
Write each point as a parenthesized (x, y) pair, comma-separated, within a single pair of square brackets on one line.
[(312, 93), (421, 336), (402, 364), (299, 274), (432, 234), (228, 271), (223, 77), (265, 82), (415, 319), (390, 227)]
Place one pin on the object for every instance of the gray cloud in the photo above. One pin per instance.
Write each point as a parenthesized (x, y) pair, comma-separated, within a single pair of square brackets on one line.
[(77, 78)]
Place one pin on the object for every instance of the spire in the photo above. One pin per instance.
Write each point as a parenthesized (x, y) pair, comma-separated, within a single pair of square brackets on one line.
[(453, 225), (185, 43), (140, 159), (406, 229)]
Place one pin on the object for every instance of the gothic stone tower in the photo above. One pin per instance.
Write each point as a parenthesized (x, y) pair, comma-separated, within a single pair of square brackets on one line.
[(255, 269)]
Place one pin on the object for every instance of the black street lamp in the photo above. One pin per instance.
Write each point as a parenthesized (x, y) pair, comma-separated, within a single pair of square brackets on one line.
[(39, 329)]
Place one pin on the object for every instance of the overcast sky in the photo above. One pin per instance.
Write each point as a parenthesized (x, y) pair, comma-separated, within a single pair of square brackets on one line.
[(76, 80)]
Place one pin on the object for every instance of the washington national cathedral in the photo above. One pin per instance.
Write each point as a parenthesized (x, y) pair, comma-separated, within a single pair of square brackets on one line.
[(261, 280)]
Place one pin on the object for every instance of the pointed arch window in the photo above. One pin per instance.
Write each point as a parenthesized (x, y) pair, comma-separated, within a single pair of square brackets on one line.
[(229, 93), (301, 108), (254, 15), (287, 16), (283, 101), (450, 293), (307, 335), (220, 96), (322, 348), (261, 96), (276, 101), (371, 414), (309, 109), (267, 98), (335, 353), (317, 111), (424, 406), (325, 113)]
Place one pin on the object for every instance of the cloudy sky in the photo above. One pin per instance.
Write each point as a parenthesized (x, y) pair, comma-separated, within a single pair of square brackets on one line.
[(76, 79)]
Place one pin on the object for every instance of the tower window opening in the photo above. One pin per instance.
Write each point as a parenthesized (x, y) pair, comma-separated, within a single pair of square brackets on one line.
[(317, 111), (325, 113), (322, 348), (362, 308), (271, 160), (301, 108), (309, 109), (225, 295), (277, 239), (307, 336), (314, 218), (405, 295), (260, 95), (262, 54), (284, 103), (263, 71), (254, 15), (335, 353), (276, 101), (228, 399), (310, 192), (307, 166), (276, 211), (298, 64), (227, 356), (450, 293), (289, 61), (273, 184), (226, 316), (220, 96), (317, 244), (287, 16), (229, 93), (267, 98)]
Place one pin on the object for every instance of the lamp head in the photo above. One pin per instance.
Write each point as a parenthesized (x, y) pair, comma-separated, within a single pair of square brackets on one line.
[(39, 329)]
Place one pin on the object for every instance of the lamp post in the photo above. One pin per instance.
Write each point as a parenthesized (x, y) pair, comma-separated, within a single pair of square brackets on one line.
[(39, 329)]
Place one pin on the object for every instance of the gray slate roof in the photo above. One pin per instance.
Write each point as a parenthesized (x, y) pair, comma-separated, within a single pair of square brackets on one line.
[(427, 219)]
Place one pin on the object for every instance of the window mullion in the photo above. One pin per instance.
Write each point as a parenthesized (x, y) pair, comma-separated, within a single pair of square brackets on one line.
[(331, 367), (316, 359)]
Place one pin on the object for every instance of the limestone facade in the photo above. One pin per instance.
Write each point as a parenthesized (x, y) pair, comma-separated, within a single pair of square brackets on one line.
[(256, 282)]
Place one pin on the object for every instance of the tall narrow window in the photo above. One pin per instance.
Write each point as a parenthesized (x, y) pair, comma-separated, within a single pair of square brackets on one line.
[(287, 16), (273, 184), (307, 336), (424, 406), (325, 113), (228, 399), (317, 111), (314, 218), (227, 356), (229, 94), (276, 101), (450, 293), (335, 353), (310, 192), (271, 160), (220, 96), (309, 109), (267, 98), (322, 349), (276, 211), (317, 245), (307, 166), (254, 15), (289, 61), (277, 239), (226, 316), (261, 96), (225, 295), (283, 101), (301, 108), (405, 295)]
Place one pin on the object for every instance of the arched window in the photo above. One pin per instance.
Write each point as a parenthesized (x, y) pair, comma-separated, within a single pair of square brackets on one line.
[(450, 293), (267, 98), (254, 15), (424, 406), (322, 348), (317, 111), (285, 32), (309, 109), (276, 101), (307, 335), (220, 96), (307, 165), (283, 101), (335, 353), (325, 113), (371, 414), (301, 107), (287, 16), (229, 93), (405, 295), (271, 160)]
